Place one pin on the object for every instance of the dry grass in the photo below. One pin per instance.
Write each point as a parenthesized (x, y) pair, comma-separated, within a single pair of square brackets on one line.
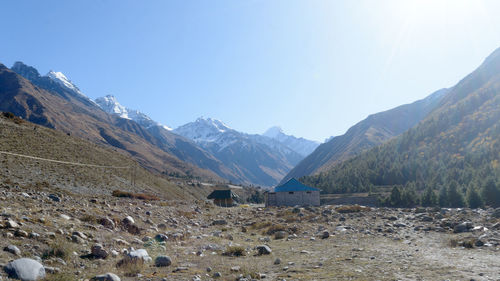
[(142, 196), (261, 225), (275, 228), (130, 267), (235, 251), (352, 209), (62, 249)]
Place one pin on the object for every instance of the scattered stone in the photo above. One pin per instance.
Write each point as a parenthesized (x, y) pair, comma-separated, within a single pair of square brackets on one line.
[(219, 222), (121, 242), (280, 234), (277, 261), (65, 217), (128, 220), (52, 270), (11, 224), (107, 222), (235, 268), (25, 269), (325, 235), (161, 237), (264, 250), (99, 252), (217, 275), (463, 227), (162, 261), (20, 233), (140, 254), (106, 277), (13, 250), (55, 198)]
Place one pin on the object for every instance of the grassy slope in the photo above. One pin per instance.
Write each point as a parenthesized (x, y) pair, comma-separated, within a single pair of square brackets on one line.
[(30, 139)]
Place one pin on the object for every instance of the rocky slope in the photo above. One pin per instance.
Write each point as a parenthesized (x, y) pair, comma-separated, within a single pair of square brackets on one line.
[(376, 129), (55, 105), (254, 159)]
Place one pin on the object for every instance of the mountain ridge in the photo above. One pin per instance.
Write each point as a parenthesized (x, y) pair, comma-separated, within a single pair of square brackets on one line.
[(455, 146), (256, 159), (374, 130)]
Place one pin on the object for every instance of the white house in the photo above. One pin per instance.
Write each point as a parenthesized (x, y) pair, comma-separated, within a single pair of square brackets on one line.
[(293, 193)]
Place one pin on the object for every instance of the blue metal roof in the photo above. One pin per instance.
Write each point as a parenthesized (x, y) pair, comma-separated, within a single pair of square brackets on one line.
[(294, 185)]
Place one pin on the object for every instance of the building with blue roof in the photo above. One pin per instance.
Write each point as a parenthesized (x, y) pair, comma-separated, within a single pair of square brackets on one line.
[(293, 193)]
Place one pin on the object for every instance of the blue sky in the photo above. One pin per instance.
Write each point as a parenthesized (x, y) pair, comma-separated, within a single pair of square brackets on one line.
[(313, 67)]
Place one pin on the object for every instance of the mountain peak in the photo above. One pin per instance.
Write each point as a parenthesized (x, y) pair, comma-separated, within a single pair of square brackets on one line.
[(110, 104), (214, 123), (273, 132), (62, 80), (26, 71)]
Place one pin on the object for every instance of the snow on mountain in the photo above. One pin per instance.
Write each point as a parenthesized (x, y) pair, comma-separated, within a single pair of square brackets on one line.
[(256, 159), (300, 145), (111, 105), (62, 80), (209, 130)]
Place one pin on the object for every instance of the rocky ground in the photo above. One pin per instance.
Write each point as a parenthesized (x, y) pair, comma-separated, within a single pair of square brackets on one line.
[(75, 237)]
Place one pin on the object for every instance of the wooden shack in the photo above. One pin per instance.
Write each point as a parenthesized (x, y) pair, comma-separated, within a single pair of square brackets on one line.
[(223, 198)]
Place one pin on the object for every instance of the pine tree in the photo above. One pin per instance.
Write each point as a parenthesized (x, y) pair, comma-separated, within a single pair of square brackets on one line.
[(429, 198), (443, 197), (491, 193), (395, 199), (455, 198), (473, 198)]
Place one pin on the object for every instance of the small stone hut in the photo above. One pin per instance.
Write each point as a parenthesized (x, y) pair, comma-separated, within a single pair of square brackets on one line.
[(223, 198), (293, 193)]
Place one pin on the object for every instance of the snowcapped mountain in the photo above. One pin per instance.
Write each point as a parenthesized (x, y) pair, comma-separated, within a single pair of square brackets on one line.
[(211, 132), (111, 105), (62, 80), (300, 145), (54, 81), (255, 159)]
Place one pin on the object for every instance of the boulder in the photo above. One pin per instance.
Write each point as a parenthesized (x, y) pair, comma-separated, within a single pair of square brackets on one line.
[(107, 222), (11, 224), (161, 237), (55, 198), (128, 220), (463, 227), (219, 222), (106, 277), (140, 254), (264, 250), (162, 261), (99, 252), (25, 269), (13, 250)]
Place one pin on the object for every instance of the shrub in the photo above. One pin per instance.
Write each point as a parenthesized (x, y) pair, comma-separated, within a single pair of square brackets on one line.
[(130, 267), (352, 209), (275, 228), (261, 225), (61, 249), (235, 251), (142, 196)]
